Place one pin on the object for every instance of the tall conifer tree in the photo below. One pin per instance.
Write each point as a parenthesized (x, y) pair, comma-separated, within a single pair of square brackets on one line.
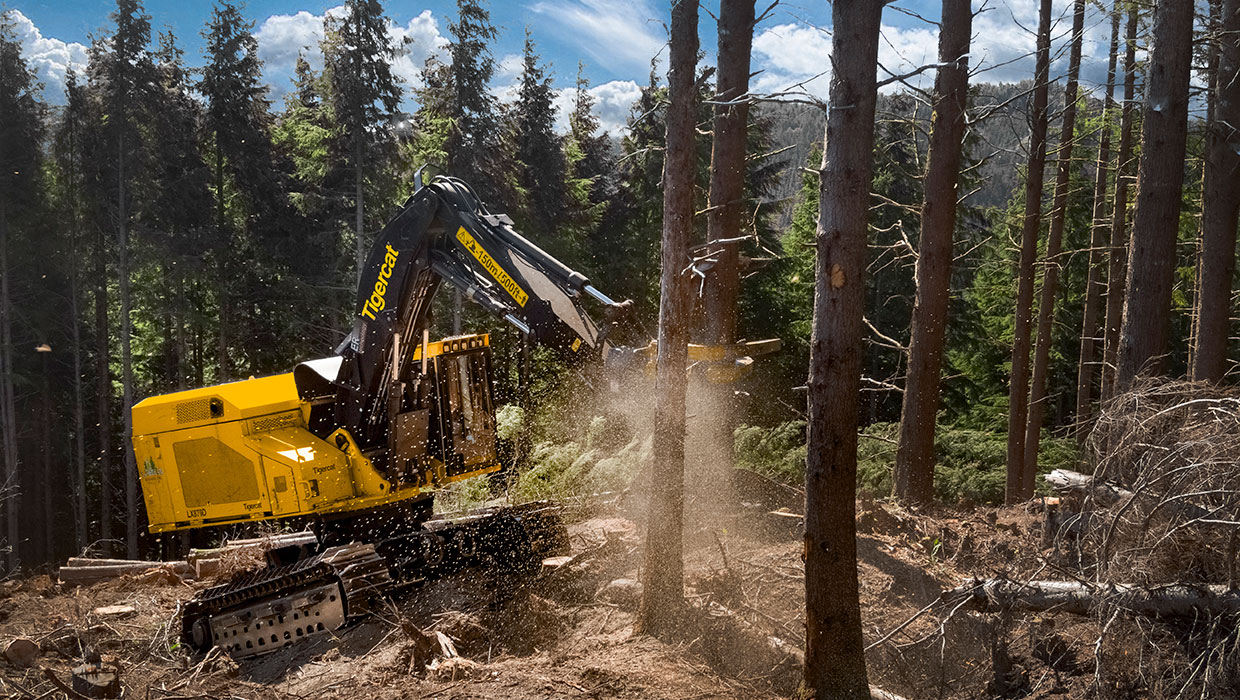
[(20, 133), (364, 96)]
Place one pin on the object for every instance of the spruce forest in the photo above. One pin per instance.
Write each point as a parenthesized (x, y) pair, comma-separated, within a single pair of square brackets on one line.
[(923, 385)]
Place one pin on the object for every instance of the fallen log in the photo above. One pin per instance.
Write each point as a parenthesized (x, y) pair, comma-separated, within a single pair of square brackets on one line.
[(1105, 494), (1082, 598), (84, 575), (259, 545)]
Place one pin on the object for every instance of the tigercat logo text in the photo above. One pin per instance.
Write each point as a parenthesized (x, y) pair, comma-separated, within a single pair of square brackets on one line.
[(376, 302), (488, 263)]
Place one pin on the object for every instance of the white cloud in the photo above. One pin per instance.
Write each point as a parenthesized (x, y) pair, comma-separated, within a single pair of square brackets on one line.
[(624, 34), (1001, 51), (49, 58), (281, 38), (612, 102)]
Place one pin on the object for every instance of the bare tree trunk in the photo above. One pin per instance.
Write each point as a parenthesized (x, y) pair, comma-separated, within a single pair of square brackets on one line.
[(1018, 392), (1117, 267), (834, 655), (122, 273), (1220, 207), (663, 570), (49, 517), (79, 399), (1211, 40), (1160, 183), (725, 215), (1097, 241), (358, 204), (12, 486), (221, 348), (103, 395), (914, 470), (1054, 245)]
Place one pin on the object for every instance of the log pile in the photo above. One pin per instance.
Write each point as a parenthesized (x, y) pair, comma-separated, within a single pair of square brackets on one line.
[(200, 564)]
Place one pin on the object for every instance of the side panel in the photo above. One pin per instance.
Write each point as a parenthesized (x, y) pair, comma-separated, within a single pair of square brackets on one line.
[(199, 476)]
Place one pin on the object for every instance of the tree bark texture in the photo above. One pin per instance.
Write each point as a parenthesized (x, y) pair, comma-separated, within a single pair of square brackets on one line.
[(221, 232), (914, 470), (11, 488), (1117, 265), (1220, 209), (103, 395), (1098, 236), (122, 273), (1018, 391), (834, 658), (1054, 246), (663, 570), (725, 220), (725, 217), (1160, 182)]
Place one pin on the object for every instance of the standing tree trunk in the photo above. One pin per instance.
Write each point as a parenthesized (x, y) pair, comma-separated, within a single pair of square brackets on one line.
[(48, 480), (358, 204), (1160, 183), (663, 570), (221, 348), (725, 215), (1117, 267), (122, 273), (1054, 245), (914, 470), (103, 395), (10, 490), (1097, 242), (79, 394), (834, 653), (1018, 392), (1220, 207)]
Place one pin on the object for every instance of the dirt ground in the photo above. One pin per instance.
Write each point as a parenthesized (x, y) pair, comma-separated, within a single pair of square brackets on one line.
[(570, 633)]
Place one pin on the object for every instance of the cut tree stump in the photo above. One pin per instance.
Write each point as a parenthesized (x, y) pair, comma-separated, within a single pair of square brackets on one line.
[(21, 652), (97, 680), (1081, 598)]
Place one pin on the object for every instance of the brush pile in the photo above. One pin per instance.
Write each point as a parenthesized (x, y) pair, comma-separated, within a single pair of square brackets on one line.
[(1165, 502)]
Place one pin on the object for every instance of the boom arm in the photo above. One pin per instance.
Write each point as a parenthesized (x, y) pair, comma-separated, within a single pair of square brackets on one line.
[(444, 233)]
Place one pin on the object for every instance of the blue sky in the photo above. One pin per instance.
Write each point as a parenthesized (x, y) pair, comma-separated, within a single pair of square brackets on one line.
[(615, 39)]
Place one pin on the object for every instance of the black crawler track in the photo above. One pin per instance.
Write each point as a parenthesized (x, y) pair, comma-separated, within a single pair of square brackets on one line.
[(510, 539)]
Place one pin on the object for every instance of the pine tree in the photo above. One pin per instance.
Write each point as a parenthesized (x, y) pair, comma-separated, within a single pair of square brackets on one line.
[(1018, 391), (475, 151), (21, 125), (1054, 245), (1094, 286), (126, 73), (663, 572), (1160, 182), (834, 654), (914, 471), (237, 125), (69, 153), (364, 94), (540, 160), (1220, 206)]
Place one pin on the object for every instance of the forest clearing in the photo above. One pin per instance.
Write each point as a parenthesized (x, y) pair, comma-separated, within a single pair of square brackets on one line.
[(860, 349)]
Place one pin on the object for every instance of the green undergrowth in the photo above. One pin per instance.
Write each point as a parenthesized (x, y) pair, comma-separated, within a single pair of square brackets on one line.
[(970, 468), (604, 457)]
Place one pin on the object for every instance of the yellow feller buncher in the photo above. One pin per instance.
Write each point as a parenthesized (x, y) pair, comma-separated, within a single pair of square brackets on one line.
[(356, 444)]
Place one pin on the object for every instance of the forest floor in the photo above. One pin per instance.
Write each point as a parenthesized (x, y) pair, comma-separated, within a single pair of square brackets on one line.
[(571, 634)]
